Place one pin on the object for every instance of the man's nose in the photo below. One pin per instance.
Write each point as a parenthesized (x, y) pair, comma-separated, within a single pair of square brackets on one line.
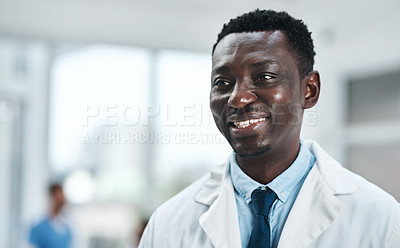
[(241, 96)]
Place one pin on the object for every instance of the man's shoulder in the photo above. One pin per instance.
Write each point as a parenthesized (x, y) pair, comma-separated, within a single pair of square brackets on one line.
[(200, 192), (189, 204), (364, 203), (371, 205), (369, 194), (186, 196), (350, 187), (176, 221), (179, 213)]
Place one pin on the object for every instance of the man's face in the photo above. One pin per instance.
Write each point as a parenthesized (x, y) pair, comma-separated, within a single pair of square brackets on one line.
[(256, 93)]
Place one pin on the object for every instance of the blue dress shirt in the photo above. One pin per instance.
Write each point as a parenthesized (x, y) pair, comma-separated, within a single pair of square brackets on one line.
[(286, 186)]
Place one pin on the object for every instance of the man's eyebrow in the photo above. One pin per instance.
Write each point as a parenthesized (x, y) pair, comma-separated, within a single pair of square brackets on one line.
[(263, 63), (224, 68), (220, 69)]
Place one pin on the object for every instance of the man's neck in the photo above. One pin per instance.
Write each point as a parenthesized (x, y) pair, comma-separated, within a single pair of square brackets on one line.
[(268, 166)]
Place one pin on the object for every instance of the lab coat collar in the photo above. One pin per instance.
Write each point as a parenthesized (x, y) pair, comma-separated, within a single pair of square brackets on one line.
[(331, 171)]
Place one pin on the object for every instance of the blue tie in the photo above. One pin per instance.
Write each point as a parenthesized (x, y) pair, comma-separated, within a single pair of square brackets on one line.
[(261, 202)]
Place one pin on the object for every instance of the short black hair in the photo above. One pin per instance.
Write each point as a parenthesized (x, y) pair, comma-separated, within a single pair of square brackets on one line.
[(300, 43)]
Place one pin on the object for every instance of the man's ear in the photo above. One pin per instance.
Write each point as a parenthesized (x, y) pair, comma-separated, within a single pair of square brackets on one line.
[(312, 86)]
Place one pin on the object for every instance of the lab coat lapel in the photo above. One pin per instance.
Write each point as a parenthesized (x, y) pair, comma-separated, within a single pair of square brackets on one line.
[(220, 222), (313, 212), (316, 206)]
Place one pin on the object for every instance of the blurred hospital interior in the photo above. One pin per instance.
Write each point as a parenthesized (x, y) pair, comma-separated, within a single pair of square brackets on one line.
[(110, 99)]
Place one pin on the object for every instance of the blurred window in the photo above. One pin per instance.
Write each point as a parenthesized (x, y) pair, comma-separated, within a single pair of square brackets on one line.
[(373, 133), (190, 142), (125, 122), (98, 95), (374, 99)]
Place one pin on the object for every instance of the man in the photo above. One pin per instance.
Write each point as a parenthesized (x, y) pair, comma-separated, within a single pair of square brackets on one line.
[(52, 231), (276, 190)]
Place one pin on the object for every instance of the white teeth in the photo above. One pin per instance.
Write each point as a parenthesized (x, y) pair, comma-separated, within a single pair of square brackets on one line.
[(244, 124)]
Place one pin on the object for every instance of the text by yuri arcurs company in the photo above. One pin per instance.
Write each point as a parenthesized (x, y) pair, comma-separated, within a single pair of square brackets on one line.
[(154, 138)]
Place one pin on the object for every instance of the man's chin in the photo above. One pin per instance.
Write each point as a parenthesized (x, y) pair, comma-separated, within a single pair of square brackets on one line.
[(253, 154)]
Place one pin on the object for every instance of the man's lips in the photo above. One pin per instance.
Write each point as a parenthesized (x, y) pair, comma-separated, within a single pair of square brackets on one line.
[(244, 121), (247, 123), (249, 127), (247, 116)]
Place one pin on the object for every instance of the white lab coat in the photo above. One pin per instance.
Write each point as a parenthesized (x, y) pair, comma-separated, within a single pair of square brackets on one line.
[(335, 208)]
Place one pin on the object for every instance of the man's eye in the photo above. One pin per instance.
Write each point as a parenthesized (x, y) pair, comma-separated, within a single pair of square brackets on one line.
[(221, 82), (263, 77)]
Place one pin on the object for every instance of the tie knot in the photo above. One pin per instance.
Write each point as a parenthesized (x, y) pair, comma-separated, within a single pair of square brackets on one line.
[(261, 201)]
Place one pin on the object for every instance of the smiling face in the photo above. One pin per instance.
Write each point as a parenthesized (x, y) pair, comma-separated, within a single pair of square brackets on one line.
[(257, 96)]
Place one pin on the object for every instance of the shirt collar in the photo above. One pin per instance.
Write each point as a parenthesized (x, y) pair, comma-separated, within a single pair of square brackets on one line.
[(282, 185)]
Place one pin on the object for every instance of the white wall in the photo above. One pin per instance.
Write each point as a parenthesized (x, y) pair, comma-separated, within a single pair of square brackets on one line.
[(23, 132)]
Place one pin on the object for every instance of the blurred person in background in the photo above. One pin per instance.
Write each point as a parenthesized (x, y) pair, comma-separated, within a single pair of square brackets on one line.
[(276, 190), (52, 231)]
